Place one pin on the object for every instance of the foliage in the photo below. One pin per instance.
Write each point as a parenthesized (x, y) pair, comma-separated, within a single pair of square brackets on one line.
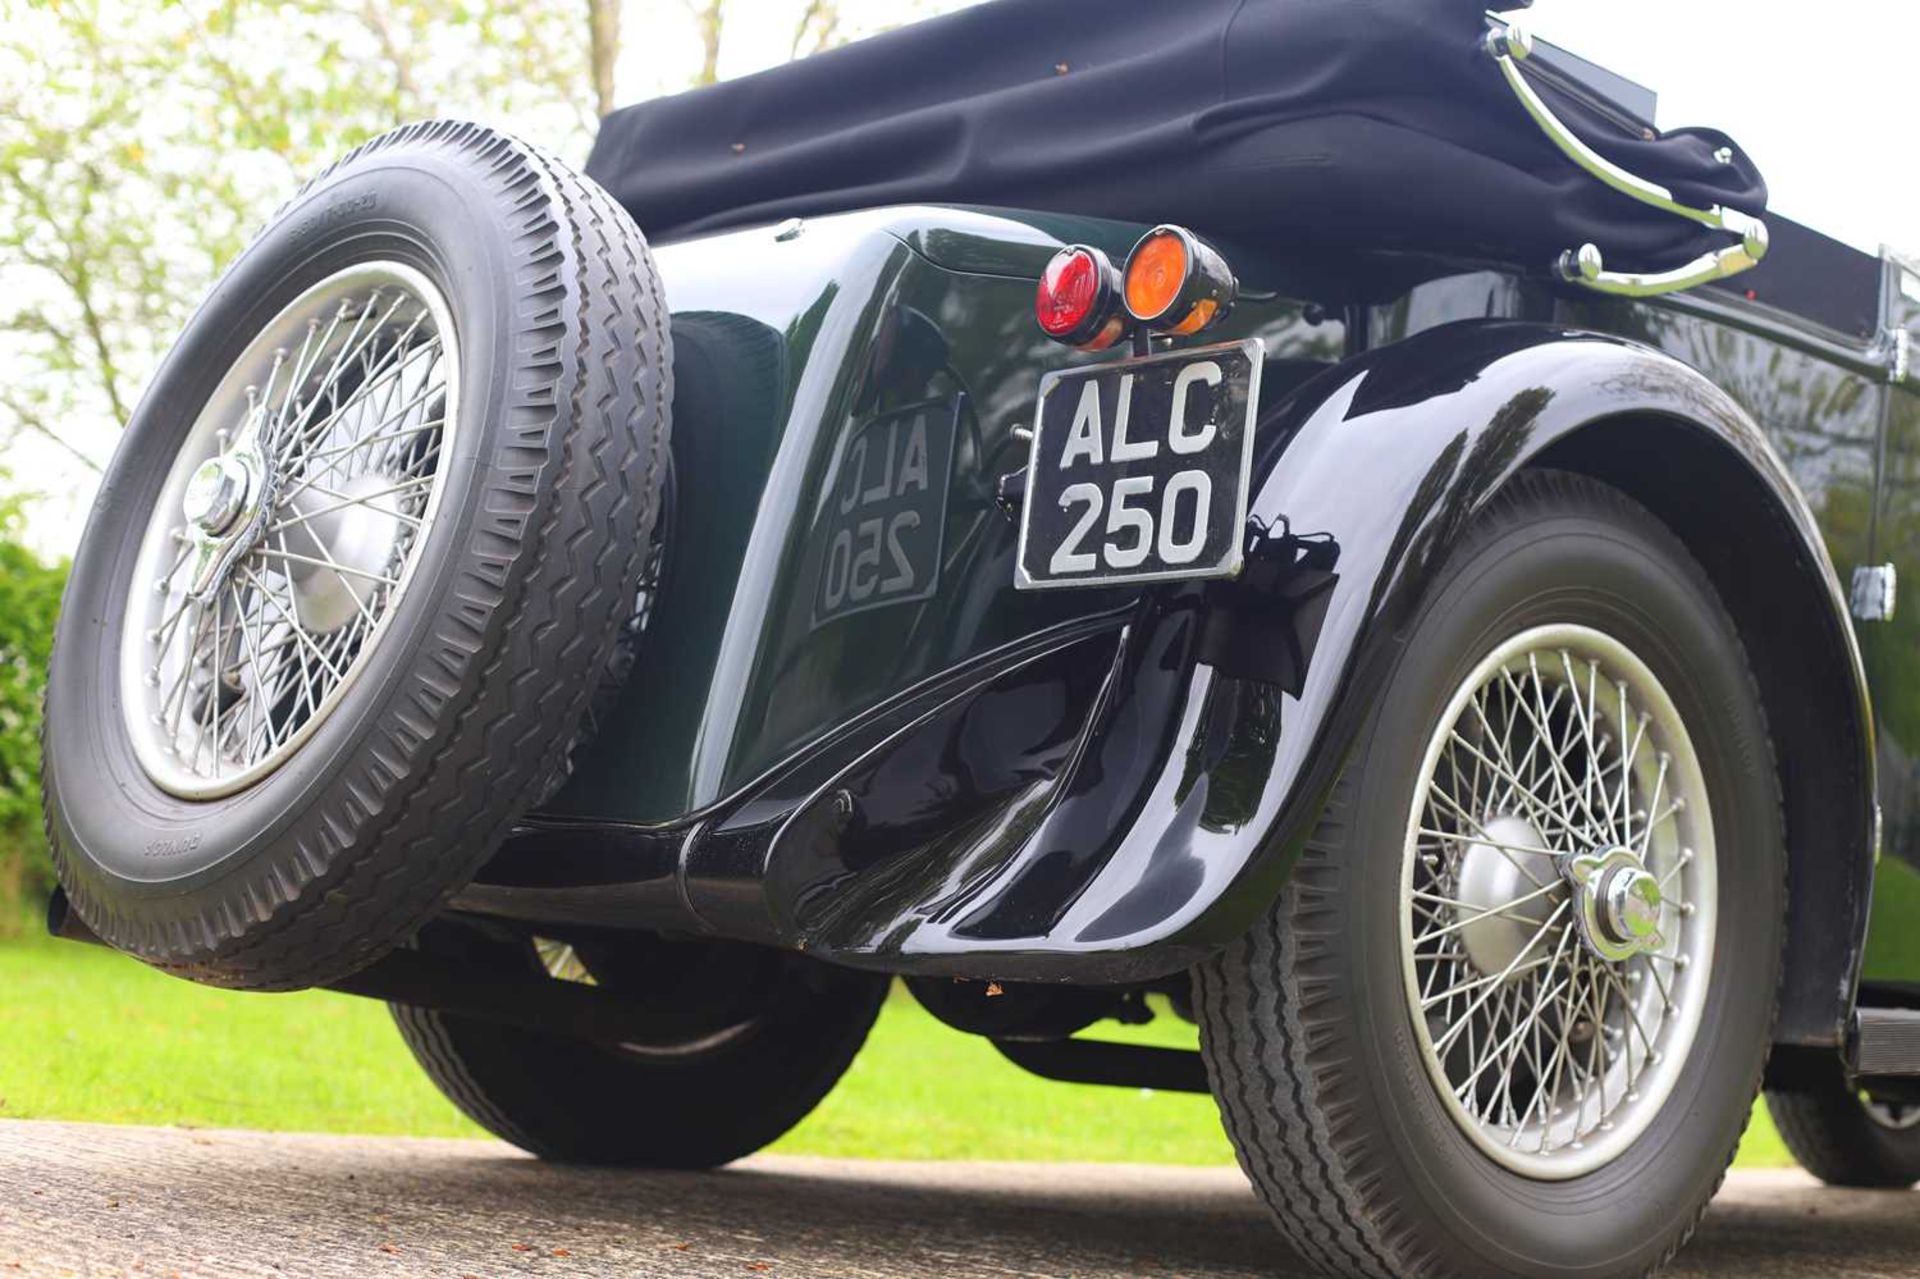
[(29, 598), (141, 145)]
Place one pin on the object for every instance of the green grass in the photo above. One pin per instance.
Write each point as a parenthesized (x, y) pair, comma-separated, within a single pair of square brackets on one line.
[(88, 1035)]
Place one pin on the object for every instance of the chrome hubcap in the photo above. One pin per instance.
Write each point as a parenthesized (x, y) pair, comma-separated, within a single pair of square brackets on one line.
[(1558, 888), (288, 529), (1617, 904), (217, 495)]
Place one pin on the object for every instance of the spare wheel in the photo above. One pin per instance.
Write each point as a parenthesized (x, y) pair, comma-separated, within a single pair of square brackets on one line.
[(362, 554)]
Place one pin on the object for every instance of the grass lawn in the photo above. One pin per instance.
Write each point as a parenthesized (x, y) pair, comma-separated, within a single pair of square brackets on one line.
[(89, 1035)]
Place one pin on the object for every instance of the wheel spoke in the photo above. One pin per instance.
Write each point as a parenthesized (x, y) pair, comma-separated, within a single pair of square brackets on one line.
[(1481, 982), (1540, 932), (1466, 914), (1540, 1037), (346, 501), (266, 587), (1481, 836), (327, 562)]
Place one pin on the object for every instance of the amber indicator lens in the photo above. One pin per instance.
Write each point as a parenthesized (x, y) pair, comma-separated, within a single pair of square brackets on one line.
[(1156, 273), (1176, 283), (1069, 291)]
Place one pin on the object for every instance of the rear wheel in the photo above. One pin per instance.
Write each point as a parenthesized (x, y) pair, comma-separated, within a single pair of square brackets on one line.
[(747, 1041), (1509, 1014), (1846, 1137)]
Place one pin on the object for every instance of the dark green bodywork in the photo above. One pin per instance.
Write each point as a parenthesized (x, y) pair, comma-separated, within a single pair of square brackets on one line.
[(865, 378), (786, 353)]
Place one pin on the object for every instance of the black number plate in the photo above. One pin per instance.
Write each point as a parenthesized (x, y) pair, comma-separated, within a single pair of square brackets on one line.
[(1139, 469)]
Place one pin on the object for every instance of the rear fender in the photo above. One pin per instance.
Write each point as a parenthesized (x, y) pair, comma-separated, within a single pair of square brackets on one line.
[(1412, 440)]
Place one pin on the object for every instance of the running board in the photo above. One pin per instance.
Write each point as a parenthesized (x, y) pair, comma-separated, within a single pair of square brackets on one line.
[(1885, 1041)]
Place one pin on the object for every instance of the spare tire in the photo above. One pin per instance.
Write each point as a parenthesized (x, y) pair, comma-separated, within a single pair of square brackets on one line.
[(358, 563)]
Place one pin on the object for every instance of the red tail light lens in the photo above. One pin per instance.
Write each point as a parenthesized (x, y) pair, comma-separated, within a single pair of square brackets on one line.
[(1078, 301), (1069, 287)]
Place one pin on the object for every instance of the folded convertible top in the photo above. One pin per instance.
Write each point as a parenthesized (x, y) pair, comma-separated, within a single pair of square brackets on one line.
[(1368, 123)]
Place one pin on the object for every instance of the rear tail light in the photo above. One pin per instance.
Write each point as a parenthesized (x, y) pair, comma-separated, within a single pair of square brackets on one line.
[(1078, 301), (1175, 283)]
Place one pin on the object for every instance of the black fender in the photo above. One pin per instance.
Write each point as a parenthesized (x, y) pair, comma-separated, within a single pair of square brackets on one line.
[(1111, 800), (1396, 452)]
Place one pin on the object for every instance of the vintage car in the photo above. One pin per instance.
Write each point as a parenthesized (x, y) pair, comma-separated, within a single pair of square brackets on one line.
[(1315, 518)]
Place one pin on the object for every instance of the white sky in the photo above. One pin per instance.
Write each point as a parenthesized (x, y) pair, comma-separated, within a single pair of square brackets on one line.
[(1824, 97)]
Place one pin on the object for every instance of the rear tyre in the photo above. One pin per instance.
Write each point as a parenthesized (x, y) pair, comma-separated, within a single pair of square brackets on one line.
[(1846, 1138), (360, 560), (1453, 1047), (749, 1041)]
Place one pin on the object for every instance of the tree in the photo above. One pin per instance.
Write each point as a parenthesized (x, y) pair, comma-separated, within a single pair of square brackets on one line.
[(603, 30), (819, 27), (141, 145), (709, 21)]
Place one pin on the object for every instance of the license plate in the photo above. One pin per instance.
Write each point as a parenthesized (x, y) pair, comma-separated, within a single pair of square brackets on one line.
[(1139, 470)]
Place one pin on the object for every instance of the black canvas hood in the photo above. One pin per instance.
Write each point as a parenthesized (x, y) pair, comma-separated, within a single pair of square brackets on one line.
[(1352, 123)]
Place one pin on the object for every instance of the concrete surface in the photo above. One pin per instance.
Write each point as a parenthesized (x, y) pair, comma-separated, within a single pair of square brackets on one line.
[(152, 1203)]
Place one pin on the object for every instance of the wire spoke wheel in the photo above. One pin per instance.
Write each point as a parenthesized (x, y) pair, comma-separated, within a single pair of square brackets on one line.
[(288, 529), (1559, 901)]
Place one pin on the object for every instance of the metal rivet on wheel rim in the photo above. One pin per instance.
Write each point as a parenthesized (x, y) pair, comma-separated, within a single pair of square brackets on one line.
[(1557, 901), (288, 529)]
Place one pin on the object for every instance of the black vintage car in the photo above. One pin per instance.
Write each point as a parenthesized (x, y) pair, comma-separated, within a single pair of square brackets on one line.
[(1316, 510)]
